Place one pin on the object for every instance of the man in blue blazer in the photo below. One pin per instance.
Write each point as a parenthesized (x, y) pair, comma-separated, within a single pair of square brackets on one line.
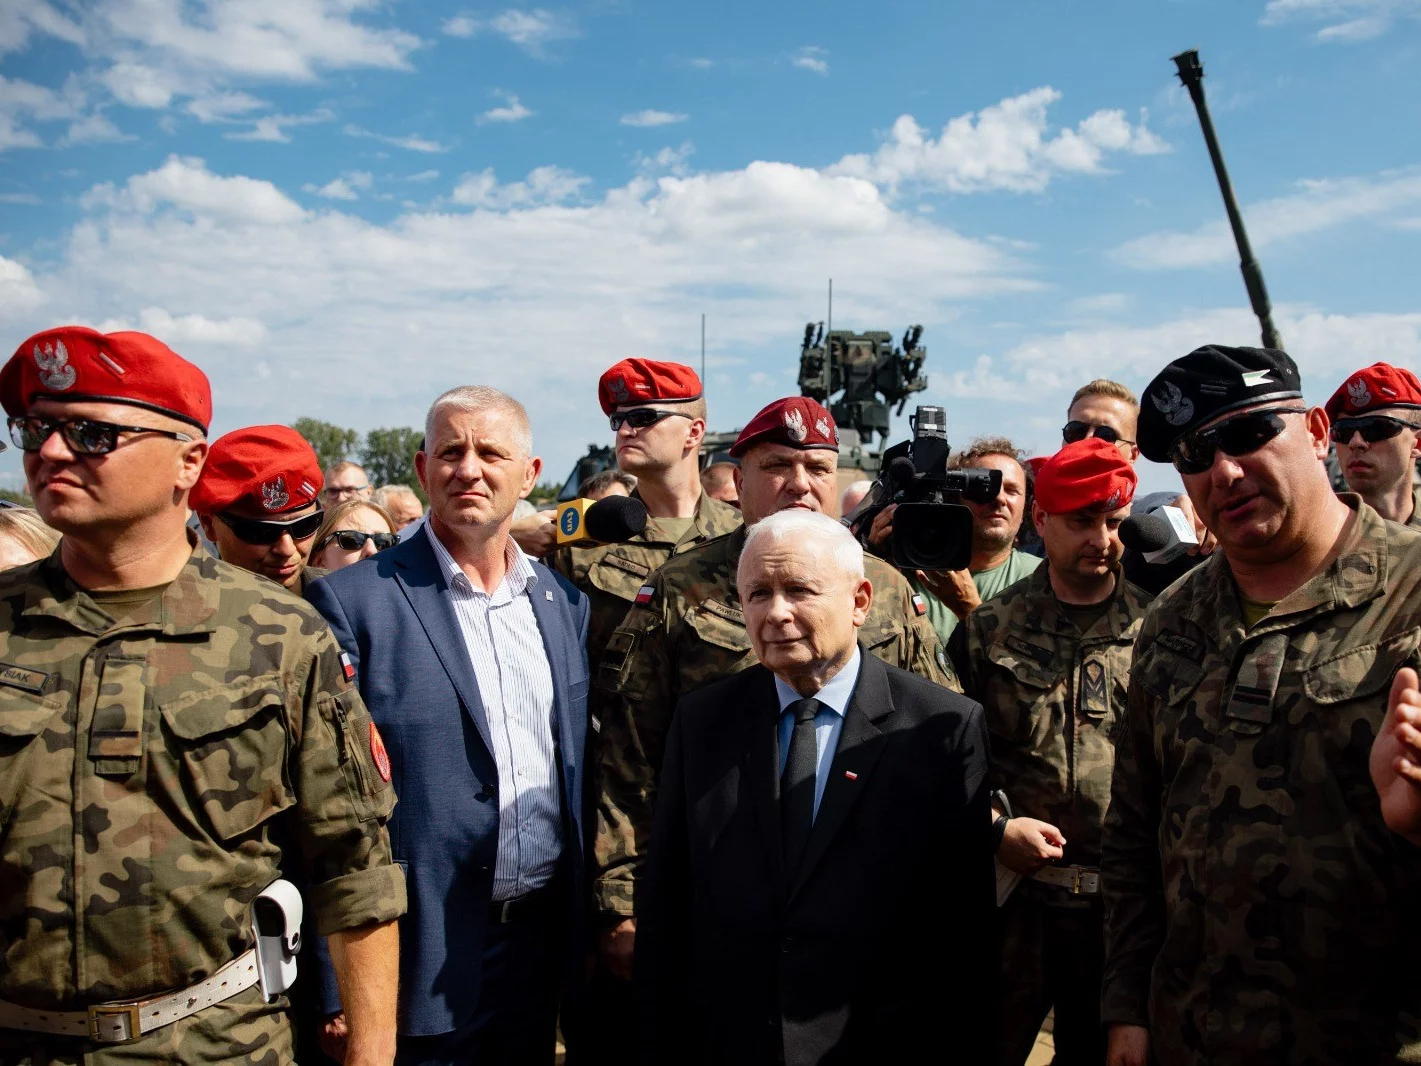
[(472, 660)]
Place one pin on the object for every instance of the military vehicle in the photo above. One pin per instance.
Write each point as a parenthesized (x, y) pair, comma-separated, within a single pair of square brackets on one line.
[(867, 371)]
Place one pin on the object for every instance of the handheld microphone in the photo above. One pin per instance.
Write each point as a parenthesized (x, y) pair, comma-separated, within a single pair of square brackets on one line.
[(609, 520), (1160, 536)]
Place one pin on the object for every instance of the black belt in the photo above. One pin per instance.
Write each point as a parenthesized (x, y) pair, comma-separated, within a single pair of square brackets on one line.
[(535, 904)]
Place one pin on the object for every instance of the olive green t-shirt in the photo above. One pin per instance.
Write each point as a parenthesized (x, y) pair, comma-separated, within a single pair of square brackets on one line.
[(1084, 615), (991, 582), (671, 529), (1254, 611), (122, 604)]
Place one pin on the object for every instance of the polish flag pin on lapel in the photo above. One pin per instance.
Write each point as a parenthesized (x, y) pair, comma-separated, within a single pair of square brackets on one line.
[(851, 775)]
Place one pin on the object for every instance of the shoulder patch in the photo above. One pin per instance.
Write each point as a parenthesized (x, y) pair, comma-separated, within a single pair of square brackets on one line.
[(18, 677), (1178, 643), (1034, 652), (644, 595), (919, 607)]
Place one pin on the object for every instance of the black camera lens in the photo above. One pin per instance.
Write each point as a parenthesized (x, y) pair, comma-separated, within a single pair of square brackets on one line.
[(932, 536)]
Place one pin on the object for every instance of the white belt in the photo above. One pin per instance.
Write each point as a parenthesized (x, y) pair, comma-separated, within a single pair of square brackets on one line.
[(121, 1023), (1078, 880)]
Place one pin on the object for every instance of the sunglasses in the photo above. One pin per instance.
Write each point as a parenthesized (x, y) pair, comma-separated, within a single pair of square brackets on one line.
[(260, 531), (353, 540), (1372, 428), (84, 436), (1244, 435), (641, 417), (1074, 431)]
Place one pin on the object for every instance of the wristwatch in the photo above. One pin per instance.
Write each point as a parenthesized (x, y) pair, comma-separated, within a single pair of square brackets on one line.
[(999, 824)]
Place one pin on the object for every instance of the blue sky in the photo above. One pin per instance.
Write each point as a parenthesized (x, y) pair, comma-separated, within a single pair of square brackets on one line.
[(339, 208)]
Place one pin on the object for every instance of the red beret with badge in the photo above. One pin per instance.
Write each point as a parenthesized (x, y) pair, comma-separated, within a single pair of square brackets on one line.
[(270, 466), (1089, 475), (795, 422), (1379, 385), (634, 381), (82, 365)]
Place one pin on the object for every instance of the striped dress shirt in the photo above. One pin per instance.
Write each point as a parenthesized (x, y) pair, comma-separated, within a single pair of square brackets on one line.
[(515, 681)]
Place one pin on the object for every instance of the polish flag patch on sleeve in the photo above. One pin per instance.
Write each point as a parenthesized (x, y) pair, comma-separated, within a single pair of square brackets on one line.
[(347, 667), (643, 595), (920, 608)]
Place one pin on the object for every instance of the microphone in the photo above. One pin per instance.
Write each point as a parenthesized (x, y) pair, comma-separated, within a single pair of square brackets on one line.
[(609, 520), (902, 471), (1160, 536)]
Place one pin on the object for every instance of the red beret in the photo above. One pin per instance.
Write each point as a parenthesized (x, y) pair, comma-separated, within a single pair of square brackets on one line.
[(83, 365), (272, 466), (1380, 385), (1087, 475), (795, 421), (647, 381)]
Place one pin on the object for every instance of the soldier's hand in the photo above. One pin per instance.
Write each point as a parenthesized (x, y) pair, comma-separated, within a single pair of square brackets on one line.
[(955, 588), (1207, 540), (882, 527), (1127, 1045), (333, 1036), (617, 944), (537, 534), (1028, 845), (1396, 758)]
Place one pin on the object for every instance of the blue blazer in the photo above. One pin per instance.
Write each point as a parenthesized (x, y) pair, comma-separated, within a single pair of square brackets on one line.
[(392, 614)]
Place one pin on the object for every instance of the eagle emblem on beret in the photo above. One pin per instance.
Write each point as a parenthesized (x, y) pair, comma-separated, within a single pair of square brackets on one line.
[(795, 427), (274, 494), (54, 369), (617, 387), (1112, 502), (1176, 407), (1357, 394)]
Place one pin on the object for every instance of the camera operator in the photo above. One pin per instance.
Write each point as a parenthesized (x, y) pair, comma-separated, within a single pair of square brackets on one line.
[(951, 595)]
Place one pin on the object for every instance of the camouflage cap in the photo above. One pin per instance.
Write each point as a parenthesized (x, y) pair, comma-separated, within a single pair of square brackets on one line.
[(1208, 382)]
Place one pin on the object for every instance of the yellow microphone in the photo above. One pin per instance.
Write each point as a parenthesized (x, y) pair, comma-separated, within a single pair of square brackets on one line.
[(609, 520)]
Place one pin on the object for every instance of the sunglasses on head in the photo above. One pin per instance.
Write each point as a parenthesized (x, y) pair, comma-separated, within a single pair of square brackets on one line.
[(84, 436), (1372, 428), (641, 417), (261, 531), (1244, 435), (353, 540), (1075, 431)]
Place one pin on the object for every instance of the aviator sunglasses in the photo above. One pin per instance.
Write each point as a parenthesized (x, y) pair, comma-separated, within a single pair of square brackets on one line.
[(641, 417), (260, 531), (84, 436), (1244, 435), (1373, 428), (1076, 431), (352, 540)]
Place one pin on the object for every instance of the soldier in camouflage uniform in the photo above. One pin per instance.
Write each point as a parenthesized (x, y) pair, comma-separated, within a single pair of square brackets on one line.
[(1376, 426), (1048, 660), (1258, 910), (175, 735), (687, 630)]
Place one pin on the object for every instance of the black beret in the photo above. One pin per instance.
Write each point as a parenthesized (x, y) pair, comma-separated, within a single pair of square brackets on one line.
[(1208, 382)]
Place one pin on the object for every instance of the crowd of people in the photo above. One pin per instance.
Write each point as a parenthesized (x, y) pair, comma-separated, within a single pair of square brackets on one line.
[(733, 790)]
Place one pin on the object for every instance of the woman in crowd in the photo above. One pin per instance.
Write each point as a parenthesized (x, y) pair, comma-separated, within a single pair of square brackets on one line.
[(24, 537), (353, 530)]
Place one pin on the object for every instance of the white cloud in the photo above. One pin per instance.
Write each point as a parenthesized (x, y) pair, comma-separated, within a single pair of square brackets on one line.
[(411, 142), (17, 286), (668, 160), (23, 102), (654, 118), (1346, 21), (343, 187), (511, 110), (274, 127), (812, 58), (223, 106), (1005, 146), (20, 20), (1316, 206), (531, 30), (93, 128), (423, 175), (138, 85), (19, 198), (187, 185), (198, 329), (701, 63), (544, 185)]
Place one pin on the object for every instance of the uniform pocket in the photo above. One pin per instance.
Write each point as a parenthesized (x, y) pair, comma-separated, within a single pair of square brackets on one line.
[(620, 576), (233, 748), (23, 718), (363, 758), (722, 625), (1360, 672)]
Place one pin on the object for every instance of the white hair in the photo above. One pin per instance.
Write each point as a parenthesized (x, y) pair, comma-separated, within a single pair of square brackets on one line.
[(481, 398), (829, 540)]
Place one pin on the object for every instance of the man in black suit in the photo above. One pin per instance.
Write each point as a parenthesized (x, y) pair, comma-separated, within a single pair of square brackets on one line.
[(820, 885)]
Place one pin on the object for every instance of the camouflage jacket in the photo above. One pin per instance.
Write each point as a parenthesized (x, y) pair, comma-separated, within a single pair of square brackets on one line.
[(686, 631), (158, 773), (1258, 911), (1415, 520), (612, 574), (1054, 698)]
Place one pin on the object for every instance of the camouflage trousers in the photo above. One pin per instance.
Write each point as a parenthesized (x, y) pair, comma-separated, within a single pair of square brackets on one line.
[(242, 1031), (1052, 955)]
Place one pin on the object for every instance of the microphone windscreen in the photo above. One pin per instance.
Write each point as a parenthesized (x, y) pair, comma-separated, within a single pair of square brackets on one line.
[(1145, 533), (902, 471), (615, 518)]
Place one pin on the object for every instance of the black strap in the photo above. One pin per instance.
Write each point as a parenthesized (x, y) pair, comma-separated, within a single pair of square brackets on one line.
[(797, 784)]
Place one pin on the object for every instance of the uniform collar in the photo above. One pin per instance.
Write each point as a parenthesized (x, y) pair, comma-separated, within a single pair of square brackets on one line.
[(712, 518), (1124, 609)]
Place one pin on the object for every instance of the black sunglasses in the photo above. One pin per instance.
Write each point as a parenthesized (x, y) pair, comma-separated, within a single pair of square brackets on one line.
[(1372, 428), (1244, 435), (1073, 431), (261, 531), (352, 540), (641, 417), (84, 436)]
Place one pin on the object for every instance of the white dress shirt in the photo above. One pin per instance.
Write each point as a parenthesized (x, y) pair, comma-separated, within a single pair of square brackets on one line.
[(515, 682), (828, 721)]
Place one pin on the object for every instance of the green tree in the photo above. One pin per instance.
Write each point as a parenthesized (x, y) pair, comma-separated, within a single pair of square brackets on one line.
[(388, 456), (331, 443), (21, 498)]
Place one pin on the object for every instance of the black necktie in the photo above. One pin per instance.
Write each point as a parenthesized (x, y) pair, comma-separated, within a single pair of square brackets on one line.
[(797, 785)]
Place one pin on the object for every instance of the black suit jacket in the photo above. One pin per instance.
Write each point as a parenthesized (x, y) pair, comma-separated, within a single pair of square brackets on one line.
[(880, 950)]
